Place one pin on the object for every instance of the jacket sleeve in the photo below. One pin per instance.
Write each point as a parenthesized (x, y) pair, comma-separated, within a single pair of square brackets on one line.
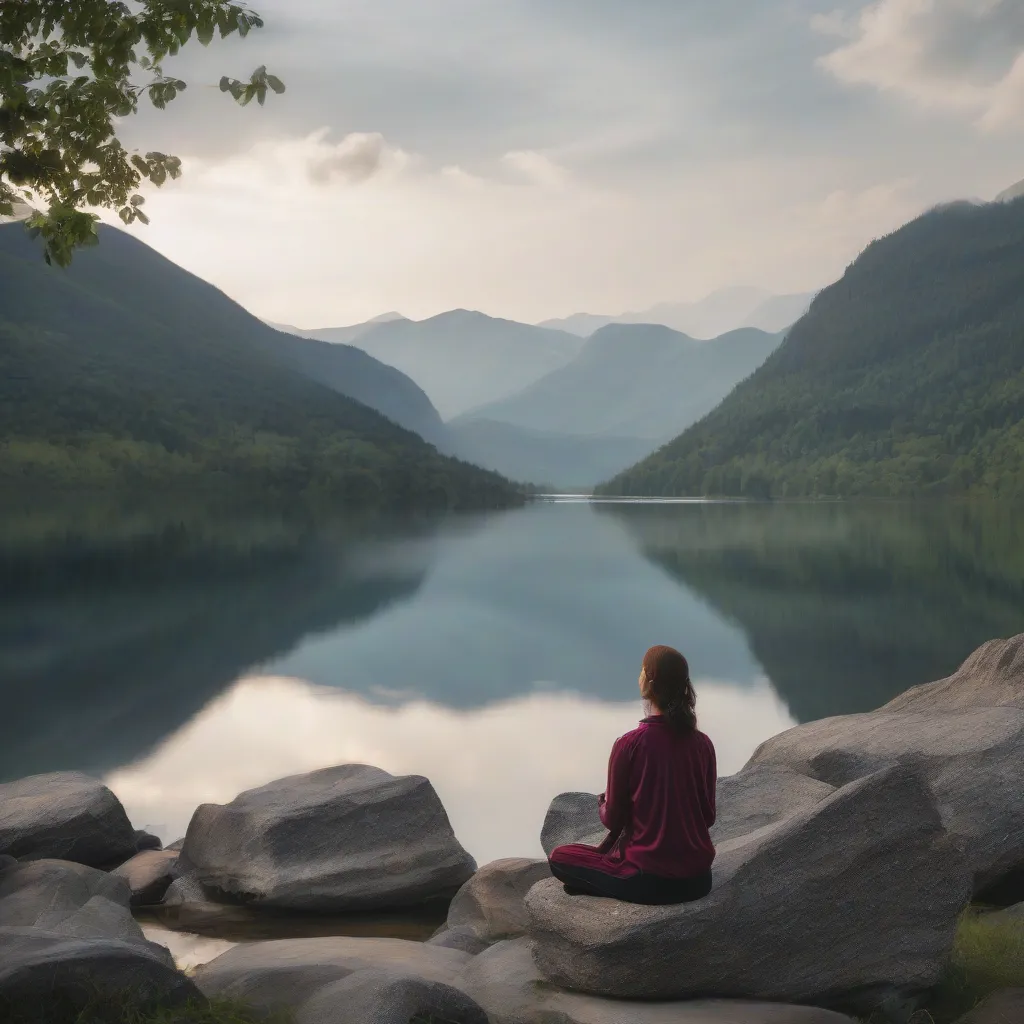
[(710, 786), (615, 801)]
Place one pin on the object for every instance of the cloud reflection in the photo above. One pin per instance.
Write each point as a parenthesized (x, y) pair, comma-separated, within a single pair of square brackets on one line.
[(495, 768)]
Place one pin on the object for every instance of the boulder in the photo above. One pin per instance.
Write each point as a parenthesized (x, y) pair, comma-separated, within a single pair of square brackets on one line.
[(149, 875), (381, 997), (46, 977), (67, 899), (758, 796), (770, 930), (284, 973), (146, 841), (508, 986), (341, 839), (963, 734), (1006, 1007), (491, 902), (178, 844), (64, 816)]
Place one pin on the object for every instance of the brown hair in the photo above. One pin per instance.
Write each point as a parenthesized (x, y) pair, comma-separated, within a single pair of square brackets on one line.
[(667, 685)]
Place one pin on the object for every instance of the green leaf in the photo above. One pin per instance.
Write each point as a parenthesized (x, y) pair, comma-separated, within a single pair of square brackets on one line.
[(275, 83)]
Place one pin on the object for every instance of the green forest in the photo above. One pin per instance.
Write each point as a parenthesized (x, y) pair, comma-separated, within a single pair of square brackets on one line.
[(125, 374), (905, 379)]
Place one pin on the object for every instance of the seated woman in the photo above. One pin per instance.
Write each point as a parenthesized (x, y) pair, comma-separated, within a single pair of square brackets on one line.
[(659, 804)]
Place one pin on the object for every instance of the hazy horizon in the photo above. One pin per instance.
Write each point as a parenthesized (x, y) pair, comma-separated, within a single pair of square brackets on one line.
[(537, 160)]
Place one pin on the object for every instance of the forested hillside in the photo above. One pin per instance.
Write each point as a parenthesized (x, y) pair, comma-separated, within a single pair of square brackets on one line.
[(126, 372), (906, 377)]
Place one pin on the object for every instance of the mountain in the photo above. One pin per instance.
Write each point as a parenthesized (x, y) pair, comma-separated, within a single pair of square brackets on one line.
[(561, 461), (127, 371), (634, 381), (906, 377), (1013, 192), (462, 359), (718, 313), (345, 335)]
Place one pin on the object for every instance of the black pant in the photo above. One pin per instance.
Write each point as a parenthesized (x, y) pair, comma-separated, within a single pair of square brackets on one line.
[(650, 890)]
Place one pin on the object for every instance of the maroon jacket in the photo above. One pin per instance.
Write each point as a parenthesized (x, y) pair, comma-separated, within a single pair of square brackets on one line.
[(658, 807)]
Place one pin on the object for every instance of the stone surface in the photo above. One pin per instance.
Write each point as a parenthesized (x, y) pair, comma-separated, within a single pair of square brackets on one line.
[(757, 796), (507, 985), (184, 891), (178, 844), (46, 977), (284, 973), (463, 937), (492, 901), (149, 875), (769, 929), (66, 816), (1005, 1007), (67, 899), (346, 838), (964, 734), (380, 997)]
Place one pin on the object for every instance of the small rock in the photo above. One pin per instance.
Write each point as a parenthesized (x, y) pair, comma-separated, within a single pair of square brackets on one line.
[(64, 816), (178, 844), (572, 818), (380, 997), (284, 973), (491, 902), (149, 875), (46, 978), (341, 839), (506, 983), (146, 841)]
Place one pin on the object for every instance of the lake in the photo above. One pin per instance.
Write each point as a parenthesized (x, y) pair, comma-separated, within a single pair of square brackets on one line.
[(498, 655)]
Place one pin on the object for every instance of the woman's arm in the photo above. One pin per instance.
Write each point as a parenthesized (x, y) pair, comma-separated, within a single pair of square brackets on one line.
[(615, 802), (710, 786)]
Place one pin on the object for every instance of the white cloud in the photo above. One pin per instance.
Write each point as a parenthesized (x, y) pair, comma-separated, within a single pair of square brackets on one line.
[(537, 168), (959, 56)]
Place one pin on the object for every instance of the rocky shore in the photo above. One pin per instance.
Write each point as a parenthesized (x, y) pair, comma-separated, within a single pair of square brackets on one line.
[(848, 851)]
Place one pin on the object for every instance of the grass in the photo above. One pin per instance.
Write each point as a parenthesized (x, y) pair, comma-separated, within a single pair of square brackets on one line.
[(988, 956), (100, 1010)]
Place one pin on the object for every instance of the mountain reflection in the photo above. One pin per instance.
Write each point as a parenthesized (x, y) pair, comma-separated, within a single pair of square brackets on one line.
[(846, 605)]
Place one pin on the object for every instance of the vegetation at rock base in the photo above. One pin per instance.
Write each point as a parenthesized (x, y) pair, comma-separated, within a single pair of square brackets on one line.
[(100, 1009), (905, 378), (68, 74)]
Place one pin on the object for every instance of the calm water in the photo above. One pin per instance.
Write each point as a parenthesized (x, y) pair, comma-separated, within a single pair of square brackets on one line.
[(498, 656)]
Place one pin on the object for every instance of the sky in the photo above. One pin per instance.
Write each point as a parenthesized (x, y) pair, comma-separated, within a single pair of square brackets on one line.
[(535, 158)]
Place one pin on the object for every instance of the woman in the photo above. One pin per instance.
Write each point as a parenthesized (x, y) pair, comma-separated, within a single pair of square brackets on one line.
[(659, 804)]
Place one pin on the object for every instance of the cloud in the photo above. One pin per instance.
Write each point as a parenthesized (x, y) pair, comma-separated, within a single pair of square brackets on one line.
[(959, 56), (537, 168), (358, 157)]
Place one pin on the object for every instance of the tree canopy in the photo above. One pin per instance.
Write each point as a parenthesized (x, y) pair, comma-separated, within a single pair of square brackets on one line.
[(68, 73)]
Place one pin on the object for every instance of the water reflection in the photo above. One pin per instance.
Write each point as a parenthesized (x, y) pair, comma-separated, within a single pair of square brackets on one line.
[(495, 768)]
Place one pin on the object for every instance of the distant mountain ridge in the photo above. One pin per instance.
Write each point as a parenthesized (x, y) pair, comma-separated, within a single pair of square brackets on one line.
[(640, 381), (906, 377), (463, 359), (718, 313)]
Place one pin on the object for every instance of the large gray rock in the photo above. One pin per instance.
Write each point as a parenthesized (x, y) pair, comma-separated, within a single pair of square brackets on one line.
[(463, 937), (770, 928), (507, 985), (341, 839), (46, 977), (492, 901), (963, 734), (758, 796), (67, 899), (285, 973), (149, 875), (381, 997), (64, 816)]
